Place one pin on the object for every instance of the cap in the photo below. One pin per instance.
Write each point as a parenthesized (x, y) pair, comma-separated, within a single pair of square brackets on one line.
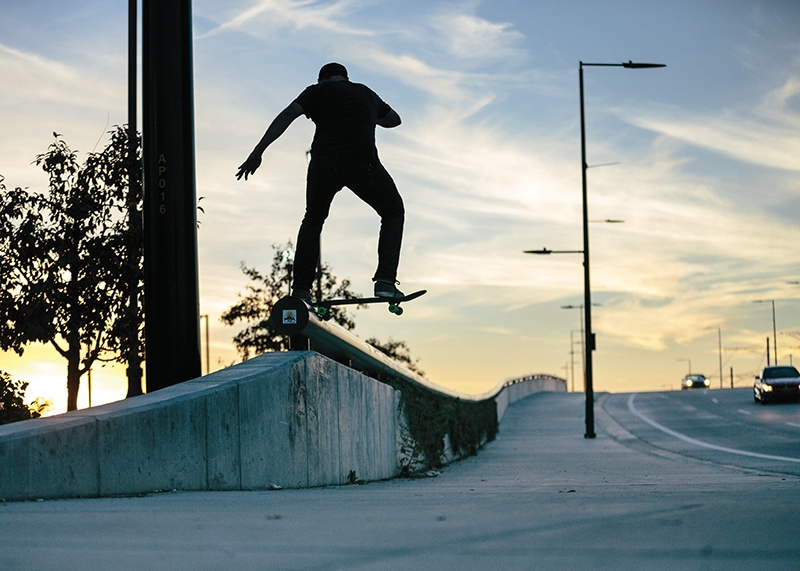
[(331, 69)]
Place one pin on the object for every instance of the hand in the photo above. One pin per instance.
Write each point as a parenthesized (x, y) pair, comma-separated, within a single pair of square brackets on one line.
[(249, 166)]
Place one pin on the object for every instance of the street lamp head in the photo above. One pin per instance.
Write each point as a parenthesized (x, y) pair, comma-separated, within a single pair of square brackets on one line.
[(547, 252), (634, 65), (629, 64)]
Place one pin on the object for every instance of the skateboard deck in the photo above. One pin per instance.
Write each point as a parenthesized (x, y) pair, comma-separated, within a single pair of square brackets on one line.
[(323, 308)]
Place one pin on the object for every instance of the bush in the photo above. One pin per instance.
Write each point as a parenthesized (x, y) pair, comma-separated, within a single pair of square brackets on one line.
[(12, 403), (431, 417)]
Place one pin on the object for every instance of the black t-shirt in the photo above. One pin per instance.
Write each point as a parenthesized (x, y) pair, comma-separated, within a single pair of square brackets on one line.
[(345, 116)]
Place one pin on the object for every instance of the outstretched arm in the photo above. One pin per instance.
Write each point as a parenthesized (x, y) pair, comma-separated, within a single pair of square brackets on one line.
[(391, 119), (275, 130)]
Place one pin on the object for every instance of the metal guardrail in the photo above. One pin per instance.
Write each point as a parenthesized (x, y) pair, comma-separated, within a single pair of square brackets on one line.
[(293, 317)]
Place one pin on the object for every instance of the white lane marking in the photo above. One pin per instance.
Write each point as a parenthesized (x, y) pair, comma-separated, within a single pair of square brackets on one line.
[(714, 401), (700, 443), (793, 424), (743, 411)]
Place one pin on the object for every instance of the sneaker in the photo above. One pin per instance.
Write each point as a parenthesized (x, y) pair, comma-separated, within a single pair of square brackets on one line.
[(385, 288), (303, 294)]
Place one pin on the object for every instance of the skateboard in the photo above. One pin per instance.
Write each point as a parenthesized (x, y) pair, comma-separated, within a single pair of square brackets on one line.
[(323, 308)]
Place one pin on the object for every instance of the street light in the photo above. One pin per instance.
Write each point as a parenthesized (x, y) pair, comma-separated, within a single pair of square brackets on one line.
[(547, 252), (774, 329), (690, 364), (590, 345)]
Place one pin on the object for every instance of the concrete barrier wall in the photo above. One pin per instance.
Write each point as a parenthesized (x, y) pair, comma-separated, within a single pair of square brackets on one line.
[(282, 419), (292, 420)]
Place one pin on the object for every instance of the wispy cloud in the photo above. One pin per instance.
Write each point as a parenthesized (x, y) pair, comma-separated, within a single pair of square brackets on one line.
[(432, 55), (742, 138), (308, 15), (40, 95), (768, 134), (476, 40), (30, 77)]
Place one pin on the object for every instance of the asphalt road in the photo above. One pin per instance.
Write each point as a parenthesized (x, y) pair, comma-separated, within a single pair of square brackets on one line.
[(725, 427), (644, 495)]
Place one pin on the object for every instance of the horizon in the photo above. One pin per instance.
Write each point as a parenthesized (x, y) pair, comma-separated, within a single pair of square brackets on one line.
[(705, 172)]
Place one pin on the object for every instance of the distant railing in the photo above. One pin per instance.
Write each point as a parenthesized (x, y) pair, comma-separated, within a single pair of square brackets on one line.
[(529, 377)]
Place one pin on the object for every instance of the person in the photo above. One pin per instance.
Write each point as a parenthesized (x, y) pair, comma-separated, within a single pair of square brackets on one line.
[(343, 154)]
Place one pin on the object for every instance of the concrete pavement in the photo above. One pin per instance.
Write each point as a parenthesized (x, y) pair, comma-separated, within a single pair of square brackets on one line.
[(539, 497)]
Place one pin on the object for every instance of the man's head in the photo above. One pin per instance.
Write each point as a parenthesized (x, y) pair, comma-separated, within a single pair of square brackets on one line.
[(330, 70)]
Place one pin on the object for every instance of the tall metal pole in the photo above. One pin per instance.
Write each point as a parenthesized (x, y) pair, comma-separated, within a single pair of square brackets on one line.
[(590, 336), (134, 370), (208, 349), (719, 337), (583, 340), (572, 359), (774, 330), (774, 333), (589, 344), (583, 346), (768, 363), (172, 307)]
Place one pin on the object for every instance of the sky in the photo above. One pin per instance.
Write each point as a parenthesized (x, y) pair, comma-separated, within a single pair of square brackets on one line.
[(704, 168)]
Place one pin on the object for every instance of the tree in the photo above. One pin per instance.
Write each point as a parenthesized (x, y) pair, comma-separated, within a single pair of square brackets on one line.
[(12, 401), (264, 291), (65, 275), (122, 174)]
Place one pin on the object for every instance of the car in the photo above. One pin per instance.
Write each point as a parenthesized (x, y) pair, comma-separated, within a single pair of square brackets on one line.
[(695, 382), (778, 382)]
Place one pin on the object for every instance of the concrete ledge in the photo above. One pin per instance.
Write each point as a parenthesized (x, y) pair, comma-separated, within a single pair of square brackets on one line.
[(52, 457), (292, 420)]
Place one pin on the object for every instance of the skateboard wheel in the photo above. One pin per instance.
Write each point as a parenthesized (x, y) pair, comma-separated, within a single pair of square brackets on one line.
[(322, 311), (396, 309)]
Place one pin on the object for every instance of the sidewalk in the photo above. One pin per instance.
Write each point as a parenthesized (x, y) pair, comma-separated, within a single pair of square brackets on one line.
[(539, 497)]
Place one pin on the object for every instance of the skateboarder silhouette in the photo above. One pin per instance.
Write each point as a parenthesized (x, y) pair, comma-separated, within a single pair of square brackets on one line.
[(343, 153)]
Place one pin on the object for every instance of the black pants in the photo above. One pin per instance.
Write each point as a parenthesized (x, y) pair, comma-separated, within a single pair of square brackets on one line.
[(327, 175)]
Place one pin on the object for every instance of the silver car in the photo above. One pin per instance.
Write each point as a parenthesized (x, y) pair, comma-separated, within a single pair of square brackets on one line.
[(778, 382)]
